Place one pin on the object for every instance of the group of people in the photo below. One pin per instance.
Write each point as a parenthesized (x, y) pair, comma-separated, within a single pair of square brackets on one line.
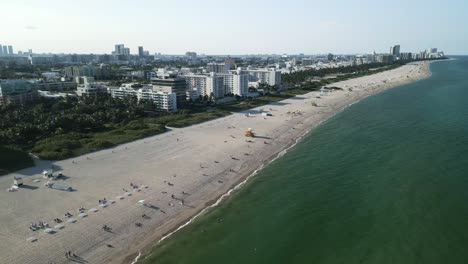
[(103, 201), (67, 214), (57, 220), (38, 225)]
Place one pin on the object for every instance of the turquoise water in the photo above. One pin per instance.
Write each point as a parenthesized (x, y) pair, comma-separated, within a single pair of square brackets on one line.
[(385, 181)]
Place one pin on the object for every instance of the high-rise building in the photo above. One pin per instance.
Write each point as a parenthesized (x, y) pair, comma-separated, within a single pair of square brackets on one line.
[(406, 56), (191, 54), (204, 85), (330, 57), (30, 51), (268, 76), (119, 49), (10, 50), (395, 51), (1, 50), (235, 83), (218, 67), (141, 51), (5, 50)]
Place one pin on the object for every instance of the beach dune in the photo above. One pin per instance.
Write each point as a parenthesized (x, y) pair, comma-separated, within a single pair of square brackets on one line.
[(177, 174)]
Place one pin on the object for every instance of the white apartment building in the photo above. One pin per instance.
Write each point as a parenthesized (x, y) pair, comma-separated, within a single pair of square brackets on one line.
[(90, 89), (204, 85), (164, 101), (235, 83), (196, 85), (122, 92), (214, 86), (269, 76)]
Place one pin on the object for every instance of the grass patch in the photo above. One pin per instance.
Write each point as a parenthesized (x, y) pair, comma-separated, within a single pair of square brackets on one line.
[(74, 144), (197, 118), (239, 106)]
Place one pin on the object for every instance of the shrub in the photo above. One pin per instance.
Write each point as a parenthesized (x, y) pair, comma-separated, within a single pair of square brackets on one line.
[(100, 144)]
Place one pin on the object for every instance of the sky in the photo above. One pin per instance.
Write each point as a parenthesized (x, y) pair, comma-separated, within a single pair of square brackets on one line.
[(237, 27)]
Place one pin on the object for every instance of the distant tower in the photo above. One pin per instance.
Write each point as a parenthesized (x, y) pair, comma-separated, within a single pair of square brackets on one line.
[(396, 51), (10, 50), (119, 49), (141, 52), (5, 50), (1, 50)]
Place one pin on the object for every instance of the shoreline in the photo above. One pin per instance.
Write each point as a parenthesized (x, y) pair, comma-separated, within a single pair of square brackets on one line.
[(160, 160), (141, 255)]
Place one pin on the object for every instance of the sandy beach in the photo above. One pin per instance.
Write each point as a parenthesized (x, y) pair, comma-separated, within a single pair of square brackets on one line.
[(178, 174)]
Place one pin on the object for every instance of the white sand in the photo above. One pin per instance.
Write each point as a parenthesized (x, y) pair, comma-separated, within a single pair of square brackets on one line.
[(188, 163)]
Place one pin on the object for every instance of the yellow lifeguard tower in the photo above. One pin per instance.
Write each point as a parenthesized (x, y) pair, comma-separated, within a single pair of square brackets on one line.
[(249, 133)]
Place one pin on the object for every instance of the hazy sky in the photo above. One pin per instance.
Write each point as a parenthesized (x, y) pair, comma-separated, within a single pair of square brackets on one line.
[(235, 27)]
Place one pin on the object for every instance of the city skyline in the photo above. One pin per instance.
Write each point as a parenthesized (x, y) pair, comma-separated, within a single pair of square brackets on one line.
[(208, 28)]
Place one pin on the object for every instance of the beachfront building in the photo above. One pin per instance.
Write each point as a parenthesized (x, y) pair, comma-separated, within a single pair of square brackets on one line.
[(405, 56), (268, 76), (204, 85), (17, 92), (163, 101), (171, 84), (385, 58), (235, 83), (196, 85)]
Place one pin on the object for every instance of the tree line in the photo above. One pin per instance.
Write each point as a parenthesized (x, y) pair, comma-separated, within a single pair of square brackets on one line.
[(23, 125)]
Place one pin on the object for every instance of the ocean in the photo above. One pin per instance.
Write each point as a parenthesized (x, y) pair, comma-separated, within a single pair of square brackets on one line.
[(384, 181)]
